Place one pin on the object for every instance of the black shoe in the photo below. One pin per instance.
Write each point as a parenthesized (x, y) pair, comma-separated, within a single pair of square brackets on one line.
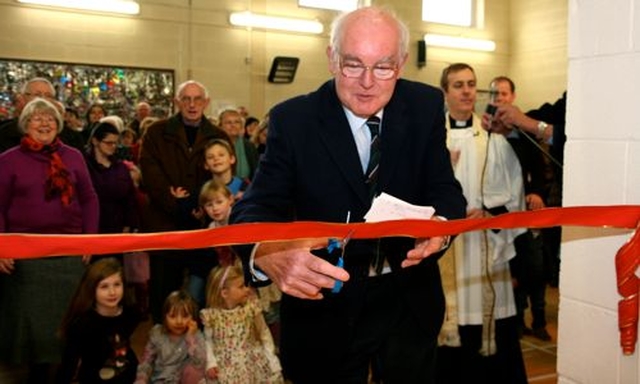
[(541, 334), (526, 331)]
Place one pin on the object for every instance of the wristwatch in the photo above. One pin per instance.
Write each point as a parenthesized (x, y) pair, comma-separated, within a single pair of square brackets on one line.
[(541, 128)]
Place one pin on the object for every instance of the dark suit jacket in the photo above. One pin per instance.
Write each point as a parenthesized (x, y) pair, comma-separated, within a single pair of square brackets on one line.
[(311, 171), (10, 134), (166, 160), (531, 161)]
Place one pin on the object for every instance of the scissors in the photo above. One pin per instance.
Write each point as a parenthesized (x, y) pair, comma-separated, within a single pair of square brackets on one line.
[(339, 244)]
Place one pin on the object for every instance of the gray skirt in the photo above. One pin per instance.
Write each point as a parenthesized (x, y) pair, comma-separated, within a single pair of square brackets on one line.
[(33, 300)]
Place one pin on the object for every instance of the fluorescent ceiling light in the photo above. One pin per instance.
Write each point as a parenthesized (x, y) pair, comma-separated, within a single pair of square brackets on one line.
[(248, 19), (453, 12), (336, 5), (459, 42), (111, 6)]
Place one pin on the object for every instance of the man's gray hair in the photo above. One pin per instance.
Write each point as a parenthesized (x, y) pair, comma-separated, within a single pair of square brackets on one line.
[(25, 86), (189, 82), (338, 24)]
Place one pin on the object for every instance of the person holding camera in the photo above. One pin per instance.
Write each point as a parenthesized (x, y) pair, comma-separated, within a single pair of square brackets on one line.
[(527, 268)]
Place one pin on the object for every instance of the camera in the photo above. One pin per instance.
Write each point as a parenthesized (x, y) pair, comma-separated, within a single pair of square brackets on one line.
[(491, 107)]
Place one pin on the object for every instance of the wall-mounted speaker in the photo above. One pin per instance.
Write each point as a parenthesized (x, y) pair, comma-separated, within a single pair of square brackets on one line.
[(283, 69), (422, 54)]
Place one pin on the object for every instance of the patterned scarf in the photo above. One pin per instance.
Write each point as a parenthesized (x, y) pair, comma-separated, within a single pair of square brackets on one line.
[(58, 178)]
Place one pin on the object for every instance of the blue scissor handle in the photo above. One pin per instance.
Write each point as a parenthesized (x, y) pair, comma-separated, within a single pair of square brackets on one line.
[(335, 244)]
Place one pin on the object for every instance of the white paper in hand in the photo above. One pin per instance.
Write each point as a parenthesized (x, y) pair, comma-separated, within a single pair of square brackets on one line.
[(386, 207)]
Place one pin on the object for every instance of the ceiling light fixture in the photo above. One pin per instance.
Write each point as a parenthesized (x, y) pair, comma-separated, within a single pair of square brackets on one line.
[(127, 7), (436, 40), (334, 5), (253, 20)]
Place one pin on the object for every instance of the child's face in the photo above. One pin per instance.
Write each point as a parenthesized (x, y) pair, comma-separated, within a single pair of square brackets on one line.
[(177, 322), (218, 160), (127, 139), (236, 293), (263, 136), (218, 207), (95, 114), (109, 294)]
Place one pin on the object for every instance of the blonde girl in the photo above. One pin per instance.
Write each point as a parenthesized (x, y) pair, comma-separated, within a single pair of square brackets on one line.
[(239, 345), (216, 200)]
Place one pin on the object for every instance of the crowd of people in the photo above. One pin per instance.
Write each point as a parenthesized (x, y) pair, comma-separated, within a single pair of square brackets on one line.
[(103, 179), (430, 310)]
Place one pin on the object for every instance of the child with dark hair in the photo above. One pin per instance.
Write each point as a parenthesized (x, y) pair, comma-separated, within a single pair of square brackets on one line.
[(175, 352), (97, 327)]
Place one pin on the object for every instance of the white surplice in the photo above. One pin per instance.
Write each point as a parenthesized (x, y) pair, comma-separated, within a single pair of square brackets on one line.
[(476, 297)]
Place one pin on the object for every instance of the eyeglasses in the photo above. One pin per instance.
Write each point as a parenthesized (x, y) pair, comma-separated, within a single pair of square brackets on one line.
[(195, 100), (40, 119), (354, 69), (109, 143), (45, 95)]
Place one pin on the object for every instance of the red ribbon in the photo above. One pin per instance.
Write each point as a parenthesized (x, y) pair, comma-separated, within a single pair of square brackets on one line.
[(21, 246)]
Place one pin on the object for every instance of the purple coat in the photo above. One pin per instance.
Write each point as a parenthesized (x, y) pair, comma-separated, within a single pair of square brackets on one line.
[(116, 194), (23, 207)]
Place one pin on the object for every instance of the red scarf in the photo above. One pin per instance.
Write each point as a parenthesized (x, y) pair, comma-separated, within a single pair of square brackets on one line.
[(58, 178)]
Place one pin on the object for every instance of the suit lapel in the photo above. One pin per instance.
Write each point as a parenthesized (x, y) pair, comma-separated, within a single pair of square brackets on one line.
[(394, 130), (336, 136)]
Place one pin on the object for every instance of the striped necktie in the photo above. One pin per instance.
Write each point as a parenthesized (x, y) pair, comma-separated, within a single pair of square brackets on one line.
[(373, 123), (372, 179)]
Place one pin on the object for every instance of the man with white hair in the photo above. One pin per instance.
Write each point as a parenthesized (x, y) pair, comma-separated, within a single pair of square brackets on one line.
[(10, 135), (173, 156), (143, 109)]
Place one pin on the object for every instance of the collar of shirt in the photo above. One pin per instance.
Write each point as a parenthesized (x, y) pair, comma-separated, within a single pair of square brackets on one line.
[(361, 135)]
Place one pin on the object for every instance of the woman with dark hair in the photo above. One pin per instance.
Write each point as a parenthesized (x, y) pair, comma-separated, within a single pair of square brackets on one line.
[(95, 112), (112, 182), (44, 188)]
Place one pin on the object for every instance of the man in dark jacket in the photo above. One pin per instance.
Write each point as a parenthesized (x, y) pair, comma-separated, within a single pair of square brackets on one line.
[(365, 132), (173, 156)]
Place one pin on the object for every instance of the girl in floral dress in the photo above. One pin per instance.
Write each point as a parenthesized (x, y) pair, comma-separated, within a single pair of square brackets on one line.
[(239, 345)]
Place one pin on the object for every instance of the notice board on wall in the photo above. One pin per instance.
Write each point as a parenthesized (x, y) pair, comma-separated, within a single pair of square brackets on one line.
[(118, 88)]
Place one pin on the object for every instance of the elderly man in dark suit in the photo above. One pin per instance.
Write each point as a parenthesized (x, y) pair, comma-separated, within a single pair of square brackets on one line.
[(317, 167)]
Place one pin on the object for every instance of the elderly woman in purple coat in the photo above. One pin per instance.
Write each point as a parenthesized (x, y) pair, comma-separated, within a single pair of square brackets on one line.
[(45, 188)]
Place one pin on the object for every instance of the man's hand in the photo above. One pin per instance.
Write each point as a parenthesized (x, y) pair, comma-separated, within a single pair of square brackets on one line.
[(534, 201), (7, 266), (178, 192), (425, 248), (510, 115), (492, 124), (476, 213), (295, 270)]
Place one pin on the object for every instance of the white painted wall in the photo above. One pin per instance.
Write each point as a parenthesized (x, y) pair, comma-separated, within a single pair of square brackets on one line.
[(602, 162)]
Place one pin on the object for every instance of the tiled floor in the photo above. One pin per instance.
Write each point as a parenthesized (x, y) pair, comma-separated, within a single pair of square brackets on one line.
[(540, 356)]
